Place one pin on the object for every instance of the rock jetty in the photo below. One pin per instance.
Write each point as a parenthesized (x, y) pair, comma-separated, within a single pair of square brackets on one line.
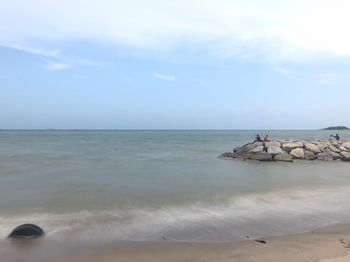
[(289, 150)]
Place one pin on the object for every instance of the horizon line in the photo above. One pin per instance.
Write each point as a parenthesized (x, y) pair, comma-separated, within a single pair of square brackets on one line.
[(151, 129)]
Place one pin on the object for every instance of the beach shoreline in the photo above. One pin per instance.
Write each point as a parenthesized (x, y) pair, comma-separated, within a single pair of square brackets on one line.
[(330, 244)]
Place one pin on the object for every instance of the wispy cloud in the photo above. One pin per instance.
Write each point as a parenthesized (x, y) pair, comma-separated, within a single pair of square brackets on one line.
[(164, 77), (41, 52), (267, 29), (56, 66), (54, 59), (283, 71)]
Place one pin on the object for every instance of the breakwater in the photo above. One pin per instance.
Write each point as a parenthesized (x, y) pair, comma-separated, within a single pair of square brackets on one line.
[(289, 150)]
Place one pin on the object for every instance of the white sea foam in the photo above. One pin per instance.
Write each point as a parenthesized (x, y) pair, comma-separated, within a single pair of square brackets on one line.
[(277, 212)]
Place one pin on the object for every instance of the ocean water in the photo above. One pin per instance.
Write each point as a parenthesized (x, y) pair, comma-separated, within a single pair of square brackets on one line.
[(103, 186)]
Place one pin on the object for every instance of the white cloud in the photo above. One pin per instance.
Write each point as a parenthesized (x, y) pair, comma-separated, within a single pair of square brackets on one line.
[(41, 52), (54, 59), (164, 77), (56, 66), (283, 71), (271, 29)]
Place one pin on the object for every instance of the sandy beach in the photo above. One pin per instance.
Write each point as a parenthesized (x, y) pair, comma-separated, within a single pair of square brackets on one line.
[(330, 244)]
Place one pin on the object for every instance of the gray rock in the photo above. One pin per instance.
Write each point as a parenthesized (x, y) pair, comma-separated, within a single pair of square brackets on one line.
[(298, 153), (308, 155), (285, 157), (242, 155), (274, 150), (236, 149), (249, 146), (312, 147), (334, 143), (226, 155), (334, 149), (343, 149), (335, 155), (345, 155), (290, 146), (257, 149), (324, 157), (322, 146), (346, 145), (275, 143), (27, 231), (262, 156)]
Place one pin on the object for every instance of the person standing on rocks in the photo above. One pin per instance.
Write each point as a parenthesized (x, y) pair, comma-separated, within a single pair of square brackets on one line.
[(267, 138)]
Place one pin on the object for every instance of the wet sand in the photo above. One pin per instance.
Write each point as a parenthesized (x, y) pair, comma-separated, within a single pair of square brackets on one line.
[(330, 244)]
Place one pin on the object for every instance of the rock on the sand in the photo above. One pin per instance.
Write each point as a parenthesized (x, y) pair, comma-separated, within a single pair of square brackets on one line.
[(27, 231)]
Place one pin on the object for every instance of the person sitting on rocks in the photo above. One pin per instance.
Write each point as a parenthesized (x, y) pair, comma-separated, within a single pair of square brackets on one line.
[(337, 137), (331, 138), (258, 138), (267, 138)]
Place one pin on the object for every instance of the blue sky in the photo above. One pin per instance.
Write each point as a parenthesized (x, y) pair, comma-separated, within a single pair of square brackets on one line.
[(174, 64)]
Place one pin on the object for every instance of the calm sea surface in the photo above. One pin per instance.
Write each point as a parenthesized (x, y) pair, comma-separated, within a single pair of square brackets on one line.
[(150, 185)]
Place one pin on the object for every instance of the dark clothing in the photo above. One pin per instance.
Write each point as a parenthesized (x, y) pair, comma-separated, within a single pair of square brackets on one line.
[(258, 139)]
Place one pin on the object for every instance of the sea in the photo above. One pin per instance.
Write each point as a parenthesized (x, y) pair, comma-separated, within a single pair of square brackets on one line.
[(103, 186)]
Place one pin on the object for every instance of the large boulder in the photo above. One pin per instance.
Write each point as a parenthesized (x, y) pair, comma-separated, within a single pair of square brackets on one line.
[(308, 155), (335, 155), (257, 149), (334, 143), (248, 147), (346, 145), (274, 143), (298, 153), (312, 147), (322, 146), (334, 149), (324, 157), (242, 155), (27, 231), (345, 155), (274, 150), (290, 146), (284, 157), (342, 148), (262, 156)]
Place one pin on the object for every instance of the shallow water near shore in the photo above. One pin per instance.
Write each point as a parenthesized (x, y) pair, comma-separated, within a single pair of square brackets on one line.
[(107, 186)]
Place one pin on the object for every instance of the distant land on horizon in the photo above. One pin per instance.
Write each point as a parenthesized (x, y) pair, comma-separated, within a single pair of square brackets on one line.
[(336, 128)]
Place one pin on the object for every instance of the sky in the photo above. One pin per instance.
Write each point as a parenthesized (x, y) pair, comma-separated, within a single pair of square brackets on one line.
[(180, 64)]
